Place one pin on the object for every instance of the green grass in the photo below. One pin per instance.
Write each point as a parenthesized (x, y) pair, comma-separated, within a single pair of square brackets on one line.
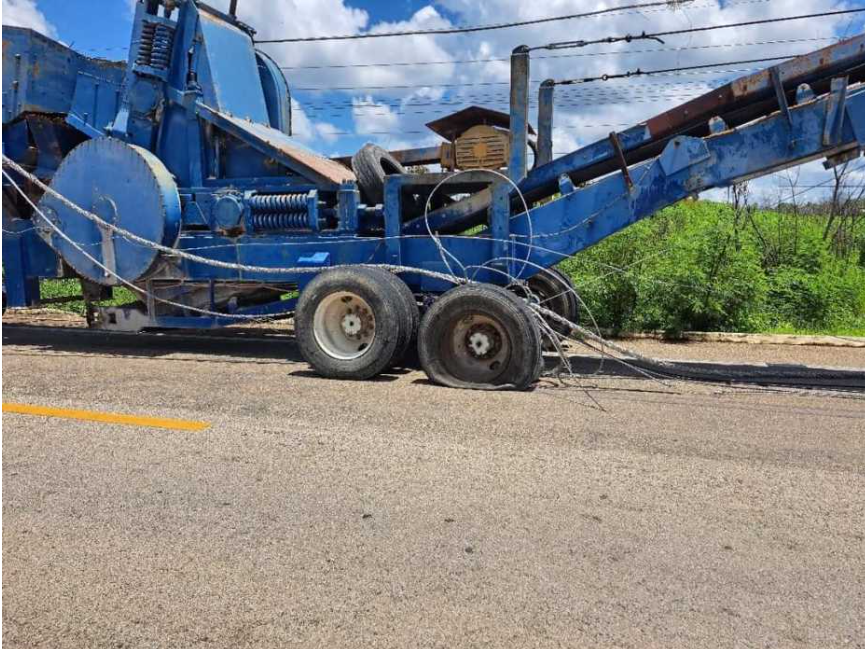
[(853, 331), (698, 266), (56, 288)]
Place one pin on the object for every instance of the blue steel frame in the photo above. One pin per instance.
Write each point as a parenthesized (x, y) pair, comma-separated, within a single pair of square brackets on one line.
[(222, 134)]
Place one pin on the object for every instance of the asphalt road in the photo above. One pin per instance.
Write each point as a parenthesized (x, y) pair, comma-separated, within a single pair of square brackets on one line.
[(619, 512)]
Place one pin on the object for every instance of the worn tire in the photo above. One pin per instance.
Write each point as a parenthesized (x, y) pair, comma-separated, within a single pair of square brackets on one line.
[(411, 318), (392, 321), (556, 292), (443, 346), (371, 164)]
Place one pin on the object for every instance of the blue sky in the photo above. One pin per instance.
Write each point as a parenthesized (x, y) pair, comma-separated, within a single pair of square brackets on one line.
[(103, 25), (339, 108)]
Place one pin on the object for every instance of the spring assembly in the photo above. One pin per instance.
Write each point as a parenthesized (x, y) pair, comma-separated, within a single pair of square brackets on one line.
[(280, 221), (155, 48), (284, 211)]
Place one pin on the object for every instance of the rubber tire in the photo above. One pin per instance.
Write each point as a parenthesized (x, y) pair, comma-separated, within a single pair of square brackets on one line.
[(553, 282), (526, 359), (371, 164), (411, 317), (391, 320)]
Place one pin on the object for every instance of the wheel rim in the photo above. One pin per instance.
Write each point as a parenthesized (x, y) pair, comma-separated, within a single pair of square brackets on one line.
[(476, 349), (344, 326)]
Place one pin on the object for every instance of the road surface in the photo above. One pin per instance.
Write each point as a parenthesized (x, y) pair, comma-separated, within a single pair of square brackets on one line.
[(619, 512)]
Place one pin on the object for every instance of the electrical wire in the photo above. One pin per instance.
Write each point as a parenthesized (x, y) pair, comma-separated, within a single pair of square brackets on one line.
[(694, 30), (640, 73), (475, 84), (505, 59), (468, 29)]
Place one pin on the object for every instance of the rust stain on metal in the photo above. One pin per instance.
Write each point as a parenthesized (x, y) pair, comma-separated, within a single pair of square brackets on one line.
[(328, 168), (282, 146), (751, 87)]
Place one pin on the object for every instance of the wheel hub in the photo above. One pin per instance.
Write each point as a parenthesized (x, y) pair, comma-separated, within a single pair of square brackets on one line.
[(483, 341), (344, 325), (351, 324)]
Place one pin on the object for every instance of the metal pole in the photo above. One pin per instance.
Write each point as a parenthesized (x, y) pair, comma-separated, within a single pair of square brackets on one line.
[(519, 126), (232, 9), (545, 122)]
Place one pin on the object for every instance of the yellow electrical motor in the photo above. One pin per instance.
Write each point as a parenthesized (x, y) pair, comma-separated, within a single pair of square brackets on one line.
[(482, 147), (475, 138)]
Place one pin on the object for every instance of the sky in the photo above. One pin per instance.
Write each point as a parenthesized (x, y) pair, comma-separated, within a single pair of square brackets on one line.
[(344, 96)]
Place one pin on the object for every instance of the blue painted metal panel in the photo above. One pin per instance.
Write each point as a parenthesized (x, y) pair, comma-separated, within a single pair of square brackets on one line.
[(95, 102), (26, 258), (276, 94), (229, 71), (42, 75), (38, 73)]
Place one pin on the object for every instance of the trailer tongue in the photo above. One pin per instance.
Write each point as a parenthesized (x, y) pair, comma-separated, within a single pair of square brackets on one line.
[(176, 176)]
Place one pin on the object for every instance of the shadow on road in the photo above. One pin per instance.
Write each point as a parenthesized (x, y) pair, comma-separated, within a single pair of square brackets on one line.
[(275, 346), (249, 344)]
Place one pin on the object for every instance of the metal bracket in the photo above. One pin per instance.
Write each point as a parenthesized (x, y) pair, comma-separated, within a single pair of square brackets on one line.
[(519, 123), (620, 157), (566, 185), (545, 122), (392, 223), (106, 209), (835, 109), (683, 152), (500, 220), (775, 74)]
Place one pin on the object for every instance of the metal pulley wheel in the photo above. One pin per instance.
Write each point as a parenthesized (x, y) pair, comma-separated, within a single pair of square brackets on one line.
[(123, 185), (481, 337), (354, 322)]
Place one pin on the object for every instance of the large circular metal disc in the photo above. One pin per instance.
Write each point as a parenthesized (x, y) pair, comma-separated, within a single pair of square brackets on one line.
[(122, 184)]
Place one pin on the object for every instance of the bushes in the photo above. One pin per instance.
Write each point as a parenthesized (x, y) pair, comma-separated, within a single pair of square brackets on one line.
[(703, 266)]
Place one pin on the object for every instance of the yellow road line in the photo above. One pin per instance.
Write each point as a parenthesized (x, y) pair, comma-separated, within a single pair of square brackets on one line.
[(104, 417)]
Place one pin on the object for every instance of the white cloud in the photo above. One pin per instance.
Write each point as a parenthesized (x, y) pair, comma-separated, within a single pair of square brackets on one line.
[(25, 13), (406, 96), (308, 130), (373, 118)]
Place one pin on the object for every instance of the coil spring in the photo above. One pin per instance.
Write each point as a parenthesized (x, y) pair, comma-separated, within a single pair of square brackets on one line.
[(280, 221), (280, 212), (155, 48), (279, 203)]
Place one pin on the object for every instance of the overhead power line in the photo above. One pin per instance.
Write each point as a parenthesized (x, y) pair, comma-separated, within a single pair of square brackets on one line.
[(640, 73), (505, 59), (471, 28), (536, 81), (692, 30)]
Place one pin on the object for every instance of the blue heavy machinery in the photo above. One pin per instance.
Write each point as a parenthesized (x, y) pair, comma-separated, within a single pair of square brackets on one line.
[(175, 175)]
